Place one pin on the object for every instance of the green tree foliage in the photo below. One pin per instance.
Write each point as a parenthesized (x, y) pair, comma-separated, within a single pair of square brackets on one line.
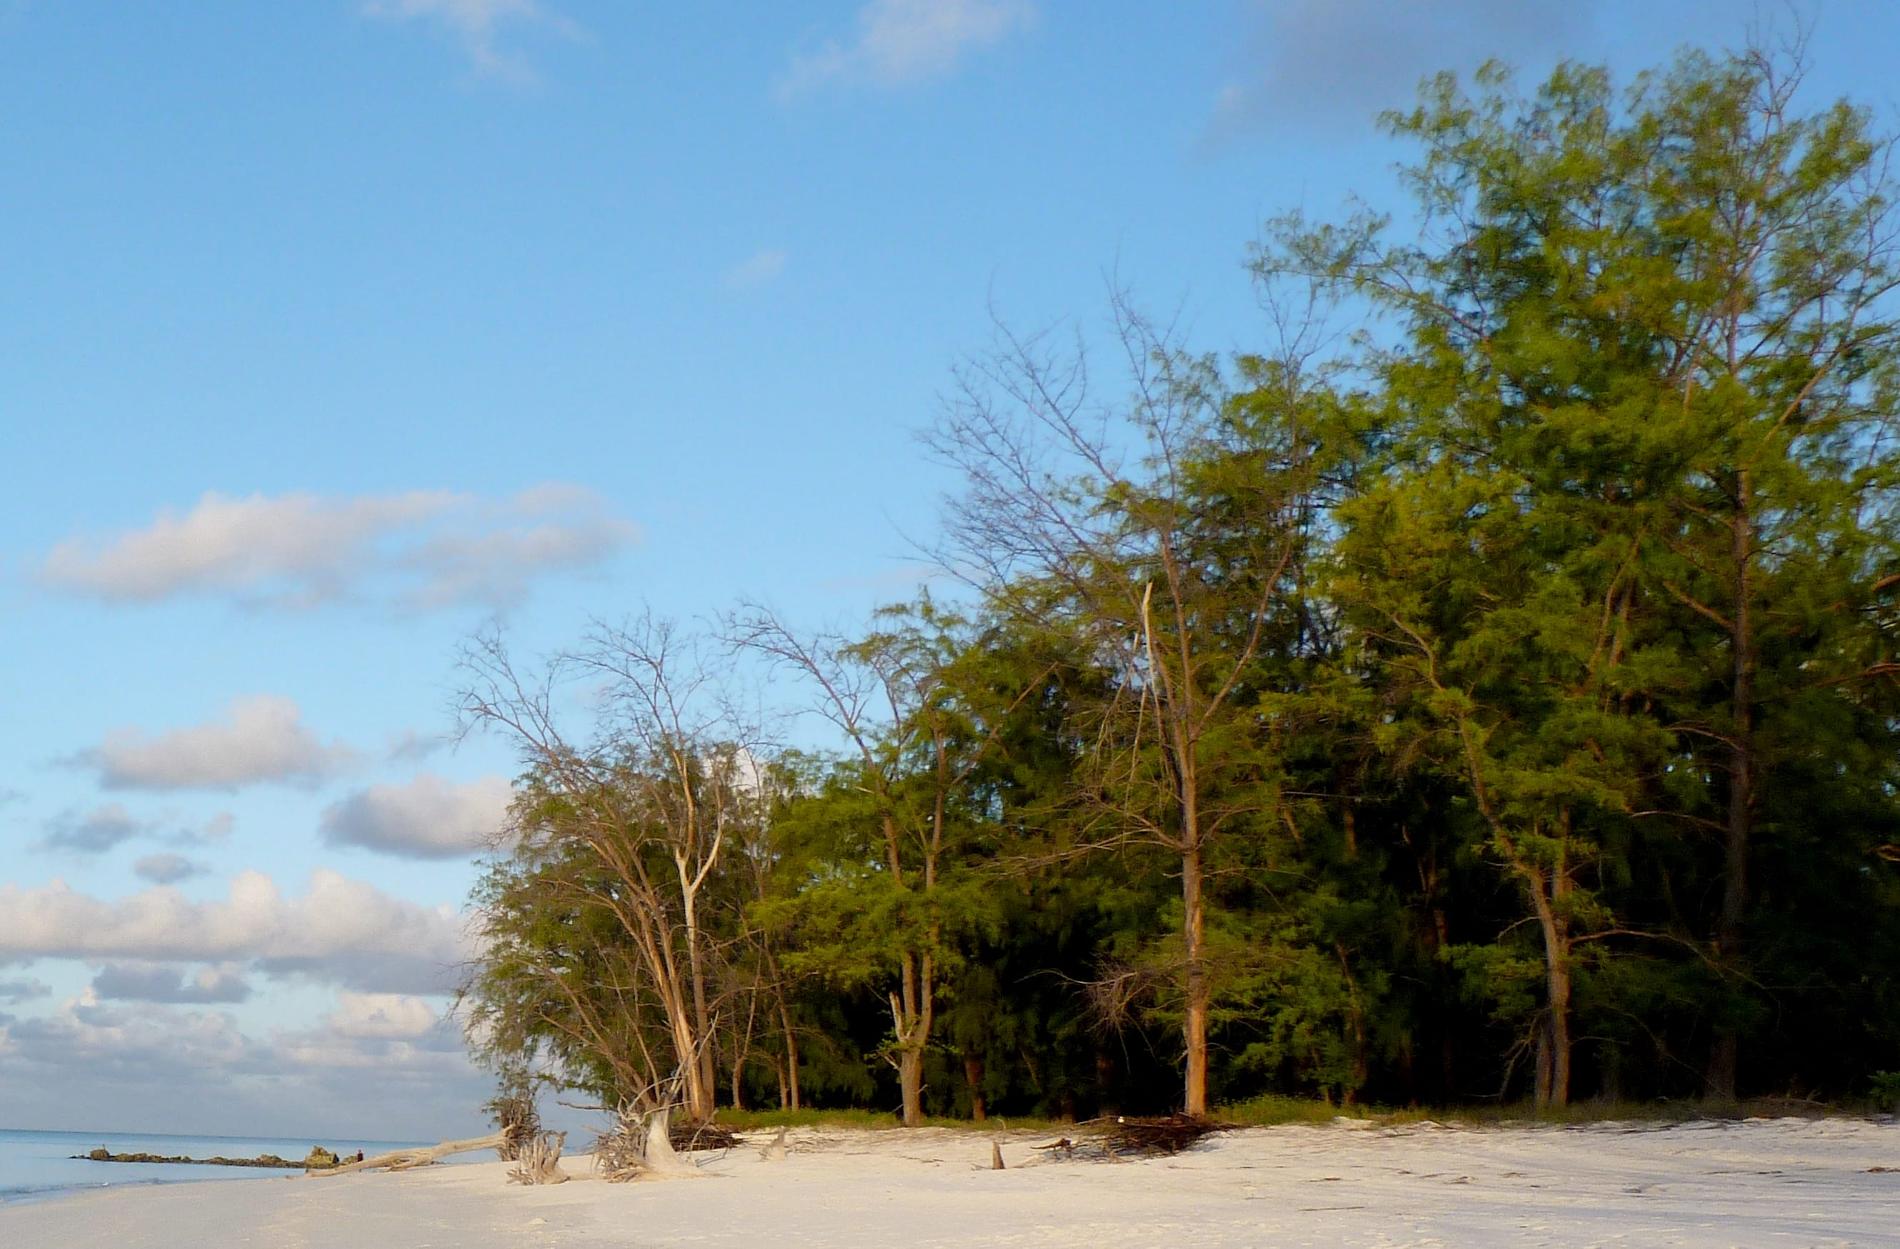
[(1498, 701)]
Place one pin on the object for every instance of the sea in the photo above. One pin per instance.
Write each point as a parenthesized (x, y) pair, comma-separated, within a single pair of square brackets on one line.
[(37, 1165)]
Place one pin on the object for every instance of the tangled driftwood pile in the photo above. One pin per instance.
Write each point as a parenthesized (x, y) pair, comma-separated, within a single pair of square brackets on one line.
[(692, 1136), (1127, 1136)]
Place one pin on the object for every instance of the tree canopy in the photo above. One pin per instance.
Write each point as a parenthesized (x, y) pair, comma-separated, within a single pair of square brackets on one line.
[(1485, 689)]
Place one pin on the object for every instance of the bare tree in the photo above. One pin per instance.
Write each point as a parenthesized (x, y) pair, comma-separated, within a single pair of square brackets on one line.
[(634, 820)]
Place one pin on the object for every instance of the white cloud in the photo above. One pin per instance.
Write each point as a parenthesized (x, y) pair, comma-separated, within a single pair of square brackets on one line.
[(386, 1016), (427, 818), (340, 931), (424, 548), (294, 548), (901, 42), (259, 738), (166, 869), (95, 831), (474, 24), (756, 270)]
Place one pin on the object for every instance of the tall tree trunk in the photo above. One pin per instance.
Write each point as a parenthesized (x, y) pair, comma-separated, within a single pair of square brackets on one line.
[(1725, 1050), (791, 1048), (910, 1017), (697, 1091), (695, 966), (1194, 930), (1553, 1083)]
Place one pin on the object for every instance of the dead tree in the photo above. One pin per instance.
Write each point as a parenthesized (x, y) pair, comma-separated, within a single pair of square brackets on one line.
[(652, 800)]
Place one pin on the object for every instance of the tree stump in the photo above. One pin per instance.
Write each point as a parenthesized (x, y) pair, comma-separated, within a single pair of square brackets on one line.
[(540, 1160)]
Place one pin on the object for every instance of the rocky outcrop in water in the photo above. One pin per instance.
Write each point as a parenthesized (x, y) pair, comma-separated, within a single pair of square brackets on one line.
[(318, 1159)]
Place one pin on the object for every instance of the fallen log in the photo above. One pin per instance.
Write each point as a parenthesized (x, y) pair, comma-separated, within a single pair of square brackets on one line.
[(404, 1159)]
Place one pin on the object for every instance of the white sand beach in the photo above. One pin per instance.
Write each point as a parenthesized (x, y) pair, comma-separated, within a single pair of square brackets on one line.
[(1756, 1183)]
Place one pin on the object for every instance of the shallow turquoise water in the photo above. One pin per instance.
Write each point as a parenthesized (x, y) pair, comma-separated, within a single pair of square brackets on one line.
[(35, 1165)]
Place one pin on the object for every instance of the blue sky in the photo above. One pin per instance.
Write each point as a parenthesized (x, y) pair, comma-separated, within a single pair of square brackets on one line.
[(334, 330)]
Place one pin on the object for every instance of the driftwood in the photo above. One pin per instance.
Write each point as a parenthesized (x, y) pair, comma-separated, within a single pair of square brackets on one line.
[(539, 1160), (996, 1156), (774, 1150), (638, 1147), (1127, 1136), (404, 1159), (1167, 1134), (695, 1136)]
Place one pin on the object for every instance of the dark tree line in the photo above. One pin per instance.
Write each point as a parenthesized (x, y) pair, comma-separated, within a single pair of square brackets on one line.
[(1486, 690)]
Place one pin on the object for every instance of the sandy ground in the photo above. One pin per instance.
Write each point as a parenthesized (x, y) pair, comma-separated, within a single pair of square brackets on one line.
[(1759, 1183)]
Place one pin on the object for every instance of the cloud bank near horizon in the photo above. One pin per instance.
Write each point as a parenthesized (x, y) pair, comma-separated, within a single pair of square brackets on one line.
[(339, 931)]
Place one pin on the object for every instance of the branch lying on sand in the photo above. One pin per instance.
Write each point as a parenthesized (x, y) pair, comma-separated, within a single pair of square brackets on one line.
[(404, 1159)]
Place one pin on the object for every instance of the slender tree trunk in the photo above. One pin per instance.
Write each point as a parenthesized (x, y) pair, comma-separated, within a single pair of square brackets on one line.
[(791, 1051), (1194, 930), (708, 1072), (698, 1092), (1541, 1065), (1725, 1051), (1553, 1083)]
